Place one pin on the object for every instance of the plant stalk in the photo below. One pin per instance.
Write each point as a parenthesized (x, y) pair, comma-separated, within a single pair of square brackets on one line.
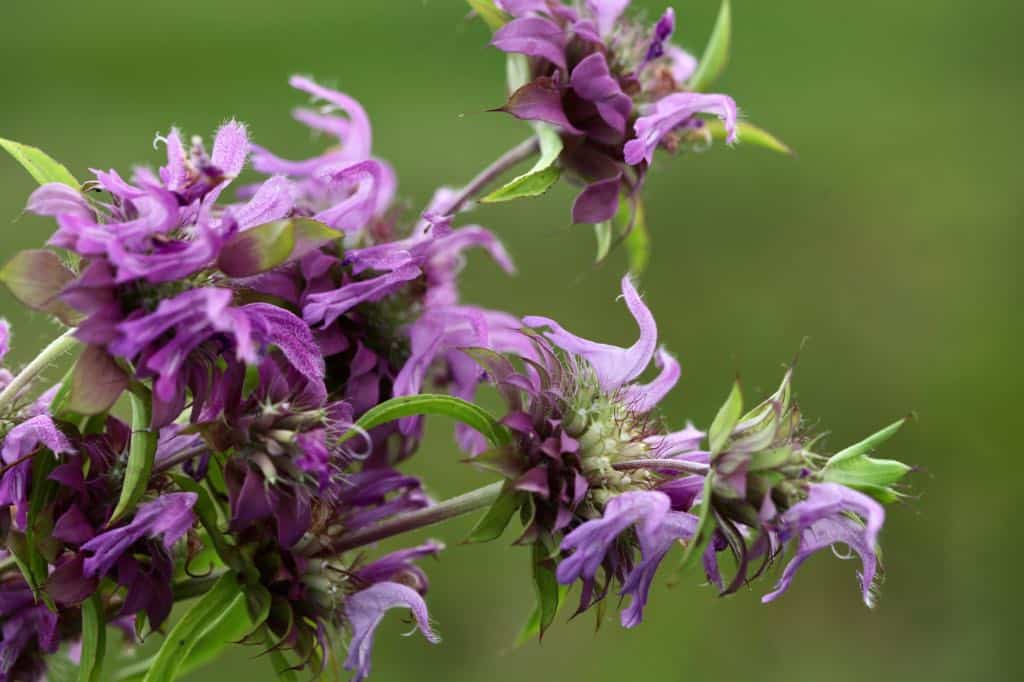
[(57, 347), (696, 468), (449, 509), (520, 152)]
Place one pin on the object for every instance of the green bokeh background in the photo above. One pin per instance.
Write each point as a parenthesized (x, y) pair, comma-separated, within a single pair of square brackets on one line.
[(892, 243)]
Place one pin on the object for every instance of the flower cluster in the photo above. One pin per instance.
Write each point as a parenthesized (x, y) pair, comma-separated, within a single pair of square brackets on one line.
[(256, 357)]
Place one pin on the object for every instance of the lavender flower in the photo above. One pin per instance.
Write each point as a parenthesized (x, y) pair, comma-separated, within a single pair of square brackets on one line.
[(615, 90)]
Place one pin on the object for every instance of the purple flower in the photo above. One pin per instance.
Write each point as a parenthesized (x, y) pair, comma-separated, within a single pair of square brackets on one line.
[(823, 520), (601, 80), (27, 437), (364, 611), (673, 111), (168, 517), (28, 631), (596, 544)]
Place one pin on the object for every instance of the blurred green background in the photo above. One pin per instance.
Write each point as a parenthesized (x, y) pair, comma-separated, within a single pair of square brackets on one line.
[(892, 242)]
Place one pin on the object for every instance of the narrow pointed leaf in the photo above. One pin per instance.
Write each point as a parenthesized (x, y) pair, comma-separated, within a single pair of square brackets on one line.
[(867, 445), (239, 621), (408, 406), (541, 177), (493, 523), (748, 133), (39, 164), (195, 624), (705, 527), (638, 243), (36, 278), (716, 54), (603, 232), (141, 453), (94, 640), (549, 593), (727, 417), (206, 509), (530, 184)]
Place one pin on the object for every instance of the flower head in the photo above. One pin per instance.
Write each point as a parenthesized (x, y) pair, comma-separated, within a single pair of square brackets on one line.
[(616, 90)]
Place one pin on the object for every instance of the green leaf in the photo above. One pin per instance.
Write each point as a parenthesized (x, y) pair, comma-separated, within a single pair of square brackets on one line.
[(206, 509), (238, 622), (94, 640), (282, 667), (550, 596), (427, 403), (493, 523), (96, 383), (267, 246), (705, 524), (603, 232), (748, 133), (638, 242), (726, 419), (489, 12), (854, 468), (141, 453), (198, 623), (541, 177), (36, 278), (38, 164), (716, 54), (531, 184), (517, 71)]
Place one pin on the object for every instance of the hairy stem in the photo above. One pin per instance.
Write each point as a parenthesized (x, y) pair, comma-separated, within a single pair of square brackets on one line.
[(520, 152), (57, 347), (665, 465), (442, 511)]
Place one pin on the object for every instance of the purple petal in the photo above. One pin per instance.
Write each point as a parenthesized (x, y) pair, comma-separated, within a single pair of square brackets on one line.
[(613, 365), (169, 517), (644, 397), (606, 13), (663, 30), (826, 533), (533, 36), (653, 548), (356, 210), (683, 64), (272, 201), (230, 149), (540, 100), (5, 338), (357, 133), (174, 175), (364, 611), (598, 202), (591, 540), (672, 111), (326, 307), (592, 80)]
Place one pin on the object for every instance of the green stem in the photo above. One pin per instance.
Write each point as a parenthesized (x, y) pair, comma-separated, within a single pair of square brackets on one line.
[(520, 152), (442, 511), (57, 347)]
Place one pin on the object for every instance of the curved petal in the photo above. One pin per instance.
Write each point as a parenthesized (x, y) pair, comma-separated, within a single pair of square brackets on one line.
[(533, 36), (591, 540), (613, 365), (644, 397), (364, 611), (653, 548), (672, 111)]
